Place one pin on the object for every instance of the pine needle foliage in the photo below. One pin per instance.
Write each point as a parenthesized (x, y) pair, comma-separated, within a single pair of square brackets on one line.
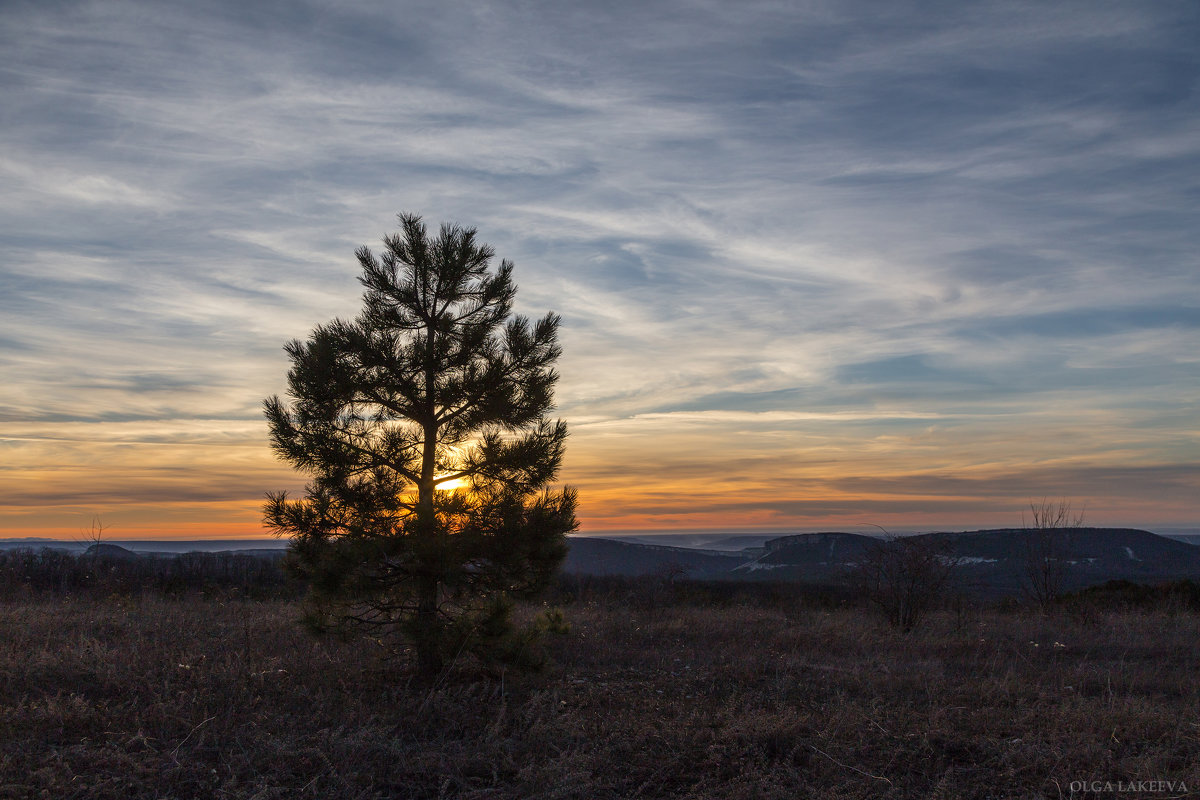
[(435, 382)]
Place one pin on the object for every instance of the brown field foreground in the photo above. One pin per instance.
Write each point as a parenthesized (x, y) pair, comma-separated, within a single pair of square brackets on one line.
[(154, 697)]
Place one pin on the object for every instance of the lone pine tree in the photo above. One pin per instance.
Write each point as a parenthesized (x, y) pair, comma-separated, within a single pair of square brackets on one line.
[(434, 385)]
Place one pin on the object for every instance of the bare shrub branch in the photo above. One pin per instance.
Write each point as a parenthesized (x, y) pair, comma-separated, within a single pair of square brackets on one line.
[(1046, 545), (906, 577)]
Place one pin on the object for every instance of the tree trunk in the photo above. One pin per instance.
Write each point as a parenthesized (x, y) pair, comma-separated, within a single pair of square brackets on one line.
[(428, 637)]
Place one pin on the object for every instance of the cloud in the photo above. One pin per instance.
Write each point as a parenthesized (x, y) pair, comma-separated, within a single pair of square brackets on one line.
[(979, 221)]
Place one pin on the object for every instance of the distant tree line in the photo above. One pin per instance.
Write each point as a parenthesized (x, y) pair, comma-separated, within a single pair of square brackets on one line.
[(664, 590), (26, 572)]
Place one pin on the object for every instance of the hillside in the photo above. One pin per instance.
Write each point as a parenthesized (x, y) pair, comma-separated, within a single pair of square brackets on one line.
[(988, 561), (588, 556), (819, 557), (996, 559)]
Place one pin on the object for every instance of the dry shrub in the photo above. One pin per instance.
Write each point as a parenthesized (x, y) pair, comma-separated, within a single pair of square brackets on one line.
[(905, 577)]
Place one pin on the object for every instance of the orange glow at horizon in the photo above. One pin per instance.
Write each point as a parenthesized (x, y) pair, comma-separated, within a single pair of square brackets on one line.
[(208, 480), (627, 505)]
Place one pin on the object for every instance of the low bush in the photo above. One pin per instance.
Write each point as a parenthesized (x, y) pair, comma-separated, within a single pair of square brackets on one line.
[(1181, 595)]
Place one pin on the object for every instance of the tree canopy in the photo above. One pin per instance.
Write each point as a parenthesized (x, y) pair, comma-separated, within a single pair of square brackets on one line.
[(423, 427)]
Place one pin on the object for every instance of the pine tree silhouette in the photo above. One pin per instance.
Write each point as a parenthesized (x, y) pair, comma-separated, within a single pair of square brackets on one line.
[(434, 384)]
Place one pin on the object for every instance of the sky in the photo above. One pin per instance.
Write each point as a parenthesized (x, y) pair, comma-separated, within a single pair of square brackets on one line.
[(820, 265)]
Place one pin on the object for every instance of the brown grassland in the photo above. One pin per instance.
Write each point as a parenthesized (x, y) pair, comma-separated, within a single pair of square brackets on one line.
[(755, 697)]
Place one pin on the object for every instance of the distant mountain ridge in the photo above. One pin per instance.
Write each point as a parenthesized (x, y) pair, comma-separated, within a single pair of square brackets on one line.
[(986, 561), (997, 558), (105, 550), (588, 556), (990, 562)]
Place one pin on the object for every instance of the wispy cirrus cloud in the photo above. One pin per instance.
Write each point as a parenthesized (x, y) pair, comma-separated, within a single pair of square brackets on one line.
[(834, 242)]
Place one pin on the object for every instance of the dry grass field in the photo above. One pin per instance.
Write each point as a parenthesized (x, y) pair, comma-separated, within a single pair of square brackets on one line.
[(190, 697)]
